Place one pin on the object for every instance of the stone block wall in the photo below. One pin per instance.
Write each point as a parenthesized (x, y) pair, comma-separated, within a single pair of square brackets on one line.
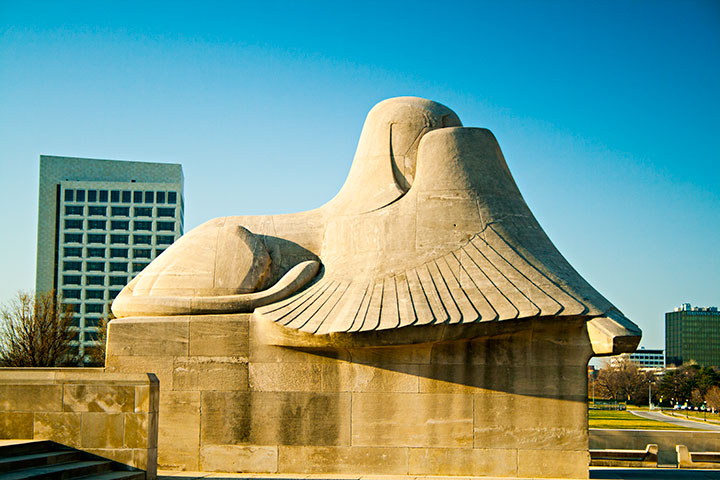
[(111, 415), (511, 405)]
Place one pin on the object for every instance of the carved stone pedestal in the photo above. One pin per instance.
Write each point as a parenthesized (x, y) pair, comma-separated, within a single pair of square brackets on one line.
[(510, 402)]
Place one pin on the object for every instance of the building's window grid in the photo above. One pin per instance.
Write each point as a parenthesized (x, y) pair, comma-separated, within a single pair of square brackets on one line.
[(648, 360), (643, 358), (102, 245), (693, 335)]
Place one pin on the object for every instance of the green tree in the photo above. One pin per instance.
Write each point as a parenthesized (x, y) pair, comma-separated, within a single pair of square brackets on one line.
[(34, 332), (688, 383), (675, 386), (705, 378)]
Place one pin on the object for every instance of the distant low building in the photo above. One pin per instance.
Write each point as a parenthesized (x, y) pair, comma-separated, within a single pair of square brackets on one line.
[(643, 358), (647, 358), (692, 334)]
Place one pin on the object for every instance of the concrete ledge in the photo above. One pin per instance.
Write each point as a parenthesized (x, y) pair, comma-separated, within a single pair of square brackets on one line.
[(596, 472), (625, 458), (666, 440), (113, 415), (706, 460)]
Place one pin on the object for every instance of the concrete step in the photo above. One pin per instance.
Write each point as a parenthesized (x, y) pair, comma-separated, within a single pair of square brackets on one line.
[(62, 471), (18, 462), (27, 448), (116, 476), (50, 460)]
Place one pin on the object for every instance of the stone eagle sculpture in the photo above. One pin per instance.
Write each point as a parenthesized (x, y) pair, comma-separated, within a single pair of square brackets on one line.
[(429, 229)]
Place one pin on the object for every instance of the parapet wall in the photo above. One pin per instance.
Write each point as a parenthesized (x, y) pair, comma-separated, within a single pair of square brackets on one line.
[(666, 440), (113, 415), (511, 405)]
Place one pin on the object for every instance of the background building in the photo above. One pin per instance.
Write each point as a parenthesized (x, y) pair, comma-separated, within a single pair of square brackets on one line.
[(643, 358), (99, 223), (693, 334)]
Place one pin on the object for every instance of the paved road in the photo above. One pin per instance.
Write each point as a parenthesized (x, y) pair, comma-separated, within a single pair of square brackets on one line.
[(675, 421)]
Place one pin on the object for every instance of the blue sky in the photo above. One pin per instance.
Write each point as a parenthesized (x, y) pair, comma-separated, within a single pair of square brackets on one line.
[(607, 112)]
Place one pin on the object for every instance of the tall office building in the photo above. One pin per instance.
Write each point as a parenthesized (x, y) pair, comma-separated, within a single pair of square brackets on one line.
[(693, 334), (100, 222)]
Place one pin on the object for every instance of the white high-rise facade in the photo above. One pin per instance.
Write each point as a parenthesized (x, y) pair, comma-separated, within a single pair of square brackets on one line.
[(100, 222)]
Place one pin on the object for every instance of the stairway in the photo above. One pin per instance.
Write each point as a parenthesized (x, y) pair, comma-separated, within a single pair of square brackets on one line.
[(50, 460)]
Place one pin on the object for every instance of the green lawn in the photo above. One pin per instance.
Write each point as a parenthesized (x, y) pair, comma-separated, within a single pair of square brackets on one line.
[(623, 420)]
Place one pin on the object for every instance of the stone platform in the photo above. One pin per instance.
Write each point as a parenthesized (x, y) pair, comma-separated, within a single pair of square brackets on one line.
[(595, 473), (509, 405), (111, 415)]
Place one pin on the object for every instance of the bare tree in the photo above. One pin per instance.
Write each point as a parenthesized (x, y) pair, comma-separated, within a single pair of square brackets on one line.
[(697, 397), (34, 332), (622, 381), (712, 397), (96, 353)]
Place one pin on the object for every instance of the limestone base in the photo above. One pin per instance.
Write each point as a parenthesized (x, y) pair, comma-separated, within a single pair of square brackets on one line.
[(114, 416), (511, 405)]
